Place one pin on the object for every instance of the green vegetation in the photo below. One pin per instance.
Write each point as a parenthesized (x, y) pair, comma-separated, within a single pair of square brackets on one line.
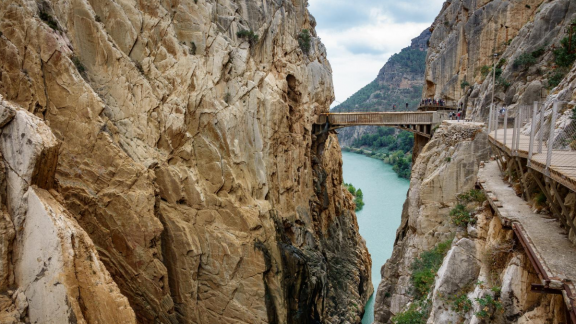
[(49, 20), (304, 41), (417, 313), (525, 60), (574, 114), (79, 66), (393, 147), (555, 79), (249, 35), (461, 216), (484, 70), (565, 54), (97, 18), (461, 304), (424, 268), (192, 49), (464, 84), (476, 195), (358, 196), (488, 304)]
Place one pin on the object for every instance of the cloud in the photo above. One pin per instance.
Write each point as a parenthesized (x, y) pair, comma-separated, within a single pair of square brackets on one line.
[(361, 35)]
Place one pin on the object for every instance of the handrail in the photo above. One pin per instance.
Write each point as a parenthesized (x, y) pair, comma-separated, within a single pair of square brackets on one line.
[(378, 118)]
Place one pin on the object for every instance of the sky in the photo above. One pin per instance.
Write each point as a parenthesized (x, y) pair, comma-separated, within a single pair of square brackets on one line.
[(360, 35)]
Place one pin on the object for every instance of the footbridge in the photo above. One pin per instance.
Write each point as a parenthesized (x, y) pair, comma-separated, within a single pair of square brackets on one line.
[(418, 122)]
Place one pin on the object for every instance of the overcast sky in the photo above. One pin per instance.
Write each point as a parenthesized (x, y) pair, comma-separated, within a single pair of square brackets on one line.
[(360, 35)]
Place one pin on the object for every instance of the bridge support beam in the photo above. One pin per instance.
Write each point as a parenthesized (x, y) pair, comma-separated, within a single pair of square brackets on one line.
[(419, 143)]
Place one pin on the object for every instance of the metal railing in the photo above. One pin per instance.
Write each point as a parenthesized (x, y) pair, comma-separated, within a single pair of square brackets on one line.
[(546, 137), (387, 118)]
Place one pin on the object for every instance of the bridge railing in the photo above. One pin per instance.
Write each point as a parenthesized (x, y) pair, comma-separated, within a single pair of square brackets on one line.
[(389, 118)]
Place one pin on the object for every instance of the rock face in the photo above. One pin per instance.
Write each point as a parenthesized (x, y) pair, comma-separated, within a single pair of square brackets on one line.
[(447, 166), (467, 33), (484, 261), (173, 158)]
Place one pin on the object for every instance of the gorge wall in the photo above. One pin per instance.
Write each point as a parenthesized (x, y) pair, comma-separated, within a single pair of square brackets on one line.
[(484, 275), (482, 260), (467, 33), (159, 167)]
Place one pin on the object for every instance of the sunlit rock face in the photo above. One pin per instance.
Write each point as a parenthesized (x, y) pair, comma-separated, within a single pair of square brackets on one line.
[(173, 164), (467, 33)]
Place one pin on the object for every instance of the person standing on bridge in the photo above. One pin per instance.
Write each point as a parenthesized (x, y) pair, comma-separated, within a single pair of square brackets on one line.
[(394, 107), (406, 106)]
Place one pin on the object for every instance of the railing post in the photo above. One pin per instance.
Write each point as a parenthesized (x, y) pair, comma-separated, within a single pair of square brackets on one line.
[(505, 124), (490, 119), (519, 126), (513, 144), (541, 129), (496, 124), (532, 131), (551, 138)]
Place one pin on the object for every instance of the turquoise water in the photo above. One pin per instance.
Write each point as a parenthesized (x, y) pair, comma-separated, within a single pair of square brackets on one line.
[(384, 195)]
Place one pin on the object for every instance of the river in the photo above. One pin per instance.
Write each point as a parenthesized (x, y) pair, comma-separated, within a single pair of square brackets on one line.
[(384, 194)]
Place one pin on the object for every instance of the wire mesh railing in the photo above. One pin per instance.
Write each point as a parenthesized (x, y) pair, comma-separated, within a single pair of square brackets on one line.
[(546, 137)]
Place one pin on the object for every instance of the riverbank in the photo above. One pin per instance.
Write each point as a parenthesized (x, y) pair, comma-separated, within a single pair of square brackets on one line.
[(383, 194), (400, 162)]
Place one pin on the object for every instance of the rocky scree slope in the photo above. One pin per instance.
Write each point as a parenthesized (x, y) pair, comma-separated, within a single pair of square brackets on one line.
[(177, 157)]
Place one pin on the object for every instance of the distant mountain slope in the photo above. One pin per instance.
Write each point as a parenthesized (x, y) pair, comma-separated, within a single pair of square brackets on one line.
[(400, 81)]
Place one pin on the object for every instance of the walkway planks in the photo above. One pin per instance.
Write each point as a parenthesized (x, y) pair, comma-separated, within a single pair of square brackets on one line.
[(563, 163), (553, 253)]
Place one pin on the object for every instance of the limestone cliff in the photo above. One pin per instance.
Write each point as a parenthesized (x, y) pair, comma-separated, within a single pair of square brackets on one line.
[(485, 275), (445, 167), (524, 34), (172, 170)]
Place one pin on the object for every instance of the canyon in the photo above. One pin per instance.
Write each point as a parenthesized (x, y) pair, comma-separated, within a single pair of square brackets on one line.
[(160, 165)]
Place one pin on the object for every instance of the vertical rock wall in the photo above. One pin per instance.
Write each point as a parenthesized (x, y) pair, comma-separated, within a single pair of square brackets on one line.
[(445, 167), (465, 35), (185, 154)]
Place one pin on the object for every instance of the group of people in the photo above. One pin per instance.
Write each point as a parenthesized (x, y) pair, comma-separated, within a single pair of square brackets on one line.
[(456, 115), (433, 102)]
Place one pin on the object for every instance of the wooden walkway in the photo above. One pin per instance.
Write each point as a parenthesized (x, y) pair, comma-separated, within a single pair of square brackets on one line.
[(416, 121), (562, 166), (550, 252)]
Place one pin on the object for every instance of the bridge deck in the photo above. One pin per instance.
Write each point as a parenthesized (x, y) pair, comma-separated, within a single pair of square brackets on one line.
[(378, 118)]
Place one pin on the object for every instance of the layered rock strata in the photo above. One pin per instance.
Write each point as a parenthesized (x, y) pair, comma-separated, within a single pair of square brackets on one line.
[(181, 164)]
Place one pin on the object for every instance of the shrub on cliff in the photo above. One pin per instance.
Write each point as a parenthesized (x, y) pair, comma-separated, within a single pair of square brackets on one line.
[(461, 216), (564, 55), (304, 41), (249, 35), (524, 60), (424, 268)]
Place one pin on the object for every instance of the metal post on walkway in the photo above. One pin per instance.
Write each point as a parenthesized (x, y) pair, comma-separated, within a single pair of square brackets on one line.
[(495, 123), (505, 124), (513, 144), (551, 138), (519, 127), (490, 119), (541, 129), (532, 131)]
